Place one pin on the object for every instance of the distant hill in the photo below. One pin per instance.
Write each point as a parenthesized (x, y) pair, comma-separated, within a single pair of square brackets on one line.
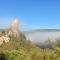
[(41, 30)]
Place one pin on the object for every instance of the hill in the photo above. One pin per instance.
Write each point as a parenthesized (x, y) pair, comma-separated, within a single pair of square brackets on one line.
[(15, 46), (42, 30), (19, 48)]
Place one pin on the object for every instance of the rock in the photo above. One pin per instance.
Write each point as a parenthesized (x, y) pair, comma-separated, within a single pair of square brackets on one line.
[(13, 30), (4, 38), (1, 41)]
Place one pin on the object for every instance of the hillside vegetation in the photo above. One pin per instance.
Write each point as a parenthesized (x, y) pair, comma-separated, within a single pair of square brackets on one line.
[(15, 46), (22, 49)]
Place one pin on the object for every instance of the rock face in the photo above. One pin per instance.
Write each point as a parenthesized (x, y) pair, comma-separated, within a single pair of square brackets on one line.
[(13, 30), (5, 39)]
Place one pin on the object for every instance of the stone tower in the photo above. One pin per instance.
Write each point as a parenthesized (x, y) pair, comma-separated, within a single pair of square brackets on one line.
[(15, 27), (15, 24)]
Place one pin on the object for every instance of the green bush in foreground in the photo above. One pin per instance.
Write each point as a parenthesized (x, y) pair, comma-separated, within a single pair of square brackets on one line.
[(33, 54)]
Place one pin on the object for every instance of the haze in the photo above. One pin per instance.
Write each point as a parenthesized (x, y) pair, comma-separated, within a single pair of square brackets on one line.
[(42, 36)]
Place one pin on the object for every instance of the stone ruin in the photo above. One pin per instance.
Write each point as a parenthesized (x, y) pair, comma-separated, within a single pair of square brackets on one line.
[(15, 27), (13, 30)]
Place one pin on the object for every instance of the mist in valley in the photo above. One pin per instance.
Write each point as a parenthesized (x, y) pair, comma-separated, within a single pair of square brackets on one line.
[(42, 36)]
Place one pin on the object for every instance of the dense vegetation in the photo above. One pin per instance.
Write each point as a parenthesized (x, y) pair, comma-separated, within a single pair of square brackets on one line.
[(22, 49)]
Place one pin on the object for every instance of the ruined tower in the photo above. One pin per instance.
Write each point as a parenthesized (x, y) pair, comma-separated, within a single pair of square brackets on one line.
[(15, 27)]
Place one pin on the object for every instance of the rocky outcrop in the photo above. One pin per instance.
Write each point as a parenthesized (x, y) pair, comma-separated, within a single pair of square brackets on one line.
[(4, 38), (13, 30)]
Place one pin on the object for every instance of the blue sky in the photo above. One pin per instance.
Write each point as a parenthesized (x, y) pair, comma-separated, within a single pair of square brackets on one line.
[(33, 14)]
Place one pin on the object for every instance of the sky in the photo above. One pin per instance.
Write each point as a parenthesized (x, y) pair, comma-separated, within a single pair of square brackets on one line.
[(32, 14)]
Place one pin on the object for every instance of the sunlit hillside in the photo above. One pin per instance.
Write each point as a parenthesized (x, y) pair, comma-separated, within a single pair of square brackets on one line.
[(15, 46)]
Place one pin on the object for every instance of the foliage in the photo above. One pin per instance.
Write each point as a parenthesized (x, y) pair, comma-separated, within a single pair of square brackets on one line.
[(22, 49)]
